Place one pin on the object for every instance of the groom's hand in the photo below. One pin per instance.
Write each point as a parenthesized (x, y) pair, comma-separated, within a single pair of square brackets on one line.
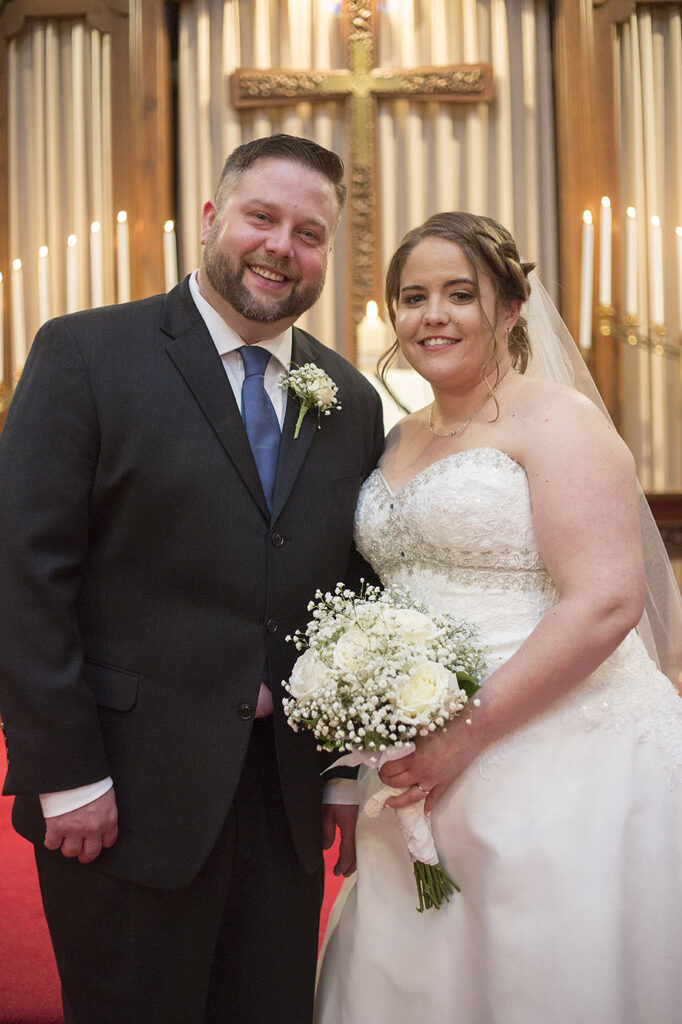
[(82, 833), (343, 816)]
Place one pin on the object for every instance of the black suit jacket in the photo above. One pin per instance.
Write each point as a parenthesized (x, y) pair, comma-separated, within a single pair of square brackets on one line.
[(143, 582)]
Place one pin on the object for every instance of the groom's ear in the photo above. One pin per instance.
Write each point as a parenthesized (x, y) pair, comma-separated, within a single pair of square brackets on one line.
[(208, 215)]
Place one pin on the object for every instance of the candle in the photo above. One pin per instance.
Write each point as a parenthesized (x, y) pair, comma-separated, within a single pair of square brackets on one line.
[(631, 304), (2, 329), (587, 272), (657, 316), (170, 255), (96, 264), (43, 284), (71, 274), (605, 252), (678, 232), (19, 348), (371, 337), (122, 257)]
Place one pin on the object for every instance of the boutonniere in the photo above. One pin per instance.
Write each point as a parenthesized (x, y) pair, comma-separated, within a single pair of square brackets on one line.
[(313, 389)]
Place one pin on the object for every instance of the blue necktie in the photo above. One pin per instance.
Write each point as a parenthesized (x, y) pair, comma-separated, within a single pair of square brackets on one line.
[(260, 418)]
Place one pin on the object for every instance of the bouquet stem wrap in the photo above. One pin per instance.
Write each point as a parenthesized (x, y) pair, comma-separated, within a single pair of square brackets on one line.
[(433, 884)]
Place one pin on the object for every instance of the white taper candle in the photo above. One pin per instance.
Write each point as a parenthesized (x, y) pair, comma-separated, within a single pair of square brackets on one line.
[(657, 314), (71, 274), (43, 284), (631, 303), (2, 329), (586, 282), (122, 256), (371, 337), (170, 255), (96, 265), (678, 233), (605, 252), (19, 347)]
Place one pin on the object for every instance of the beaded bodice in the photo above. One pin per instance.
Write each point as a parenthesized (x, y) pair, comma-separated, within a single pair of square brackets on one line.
[(459, 536), (468, 513)]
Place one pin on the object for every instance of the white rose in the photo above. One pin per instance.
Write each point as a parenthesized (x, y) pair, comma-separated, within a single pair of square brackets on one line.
[(425, 689), (411, 625), (307, 675), (351, 649), (324, 393)]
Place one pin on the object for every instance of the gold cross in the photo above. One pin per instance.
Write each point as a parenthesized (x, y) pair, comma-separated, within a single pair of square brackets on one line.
[(360, 84)]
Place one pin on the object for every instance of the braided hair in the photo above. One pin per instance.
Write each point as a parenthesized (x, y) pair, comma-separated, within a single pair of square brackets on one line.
[(491, 250)]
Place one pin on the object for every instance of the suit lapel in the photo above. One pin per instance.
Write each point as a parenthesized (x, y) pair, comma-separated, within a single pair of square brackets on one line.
[(293, 451), (192, 350)]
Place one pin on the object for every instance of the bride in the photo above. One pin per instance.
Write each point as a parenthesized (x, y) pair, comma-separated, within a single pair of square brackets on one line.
[(511, 502)]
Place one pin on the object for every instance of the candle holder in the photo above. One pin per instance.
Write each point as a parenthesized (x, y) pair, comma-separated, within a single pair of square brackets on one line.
[(605, 317), (655, 340), (658, 336), (631, 324)]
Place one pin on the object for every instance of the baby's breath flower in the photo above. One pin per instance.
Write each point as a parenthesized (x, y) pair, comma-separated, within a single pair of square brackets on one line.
[(313, 389)]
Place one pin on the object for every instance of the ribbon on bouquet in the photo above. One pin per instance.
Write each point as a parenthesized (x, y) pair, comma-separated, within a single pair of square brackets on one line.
[(413, 823)]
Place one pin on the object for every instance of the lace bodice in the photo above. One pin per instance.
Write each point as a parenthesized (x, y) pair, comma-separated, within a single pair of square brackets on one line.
[(467, 513), (459, 536)]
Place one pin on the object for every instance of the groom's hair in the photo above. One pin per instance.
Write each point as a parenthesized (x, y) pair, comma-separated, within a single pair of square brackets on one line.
[(281, 147)]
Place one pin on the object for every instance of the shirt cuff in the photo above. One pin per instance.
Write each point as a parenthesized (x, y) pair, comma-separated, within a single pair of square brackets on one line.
[(341, 791), (71, 799)]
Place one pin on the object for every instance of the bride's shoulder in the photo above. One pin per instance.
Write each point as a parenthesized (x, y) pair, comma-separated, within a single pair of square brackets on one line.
[(535, 397), (560, 419)]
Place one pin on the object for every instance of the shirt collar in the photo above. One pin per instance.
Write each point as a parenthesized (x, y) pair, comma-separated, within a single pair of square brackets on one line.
[(226, 340)]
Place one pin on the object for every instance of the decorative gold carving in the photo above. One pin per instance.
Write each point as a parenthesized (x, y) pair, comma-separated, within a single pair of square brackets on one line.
[(260, 88), (252, 87), (359, 16), (451, 85)]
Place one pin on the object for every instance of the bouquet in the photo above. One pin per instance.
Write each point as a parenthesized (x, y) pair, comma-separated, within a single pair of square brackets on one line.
[(377, 671)]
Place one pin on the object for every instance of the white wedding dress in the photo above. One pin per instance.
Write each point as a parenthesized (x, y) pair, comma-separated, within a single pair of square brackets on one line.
[(565, 838)]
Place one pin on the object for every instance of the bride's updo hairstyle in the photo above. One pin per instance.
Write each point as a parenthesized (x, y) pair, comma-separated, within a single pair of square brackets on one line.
[(491, 251)]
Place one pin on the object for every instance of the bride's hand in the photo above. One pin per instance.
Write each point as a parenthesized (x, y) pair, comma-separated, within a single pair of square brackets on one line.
[(438, 759)]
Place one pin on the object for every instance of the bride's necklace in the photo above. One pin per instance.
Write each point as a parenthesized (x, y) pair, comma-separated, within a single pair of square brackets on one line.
[(462, 427)]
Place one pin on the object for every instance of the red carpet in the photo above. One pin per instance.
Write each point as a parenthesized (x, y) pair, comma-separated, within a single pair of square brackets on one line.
[(29, 986)]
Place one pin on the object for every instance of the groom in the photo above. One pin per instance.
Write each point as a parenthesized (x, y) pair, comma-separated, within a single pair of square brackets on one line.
[(161, 532)]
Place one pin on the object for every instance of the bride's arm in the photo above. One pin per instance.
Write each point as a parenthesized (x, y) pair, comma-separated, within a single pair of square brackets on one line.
[(584, 502)]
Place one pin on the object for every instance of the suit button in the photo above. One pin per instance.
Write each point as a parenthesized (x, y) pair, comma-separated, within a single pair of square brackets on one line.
[(246, 711), (277, 540), (271, 625)]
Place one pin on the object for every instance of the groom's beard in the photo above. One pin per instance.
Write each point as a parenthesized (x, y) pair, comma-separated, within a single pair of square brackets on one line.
[(227, 278)]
